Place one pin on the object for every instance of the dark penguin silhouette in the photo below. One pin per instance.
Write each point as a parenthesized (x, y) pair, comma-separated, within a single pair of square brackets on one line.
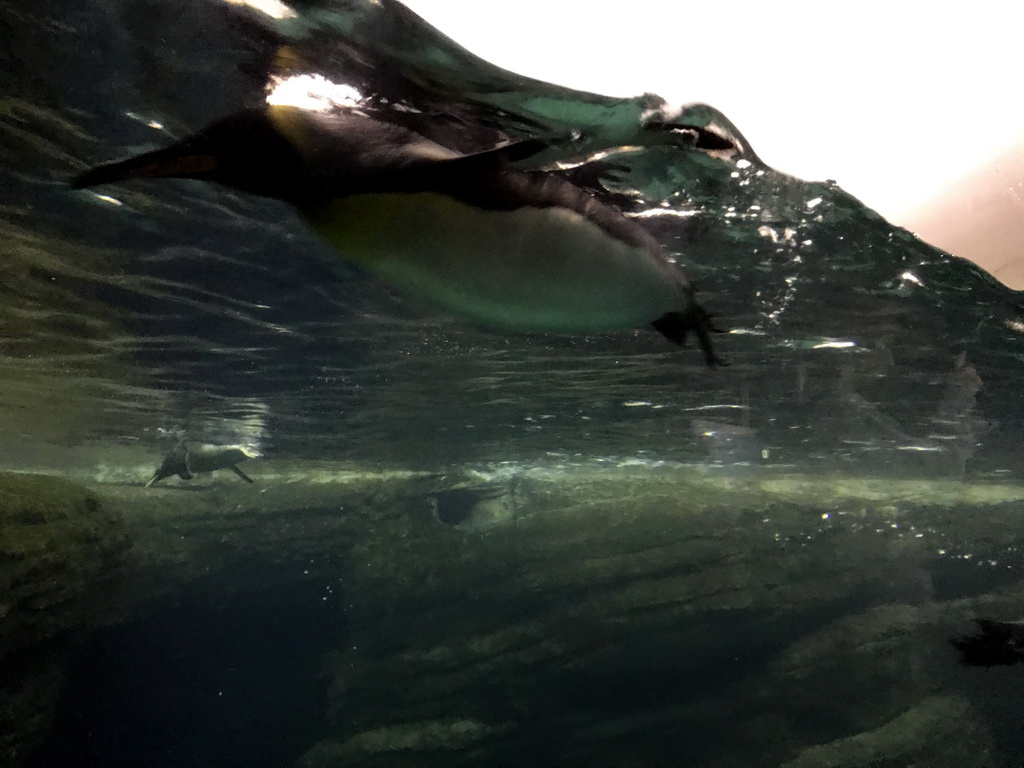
[(506, 248), (456, 505), (185, 462), (997, 643)]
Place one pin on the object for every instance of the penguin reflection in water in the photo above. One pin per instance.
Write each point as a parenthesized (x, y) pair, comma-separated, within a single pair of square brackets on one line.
[(503, 247)]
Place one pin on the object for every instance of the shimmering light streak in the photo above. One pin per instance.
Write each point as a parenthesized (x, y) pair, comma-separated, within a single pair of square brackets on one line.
[(312, 92), (273, 8), (910, 277), (835, 345)]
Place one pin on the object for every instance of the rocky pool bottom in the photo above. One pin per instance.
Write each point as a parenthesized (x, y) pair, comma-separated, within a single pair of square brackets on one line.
[(600, 615)]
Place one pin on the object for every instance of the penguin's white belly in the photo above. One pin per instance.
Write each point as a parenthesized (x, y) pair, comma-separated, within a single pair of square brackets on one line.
[(532, 269)]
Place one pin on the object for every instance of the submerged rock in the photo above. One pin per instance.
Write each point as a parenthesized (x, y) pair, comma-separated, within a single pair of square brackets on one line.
[(400, 742), (621, 617), (940, 732), (608, 617), (59, 549)]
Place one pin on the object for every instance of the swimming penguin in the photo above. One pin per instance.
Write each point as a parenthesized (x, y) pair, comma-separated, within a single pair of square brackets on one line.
[(504, 247), (186, 462), (997, 643)]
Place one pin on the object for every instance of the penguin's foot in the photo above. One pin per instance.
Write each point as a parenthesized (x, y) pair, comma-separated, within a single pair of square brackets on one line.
[(675, 326)]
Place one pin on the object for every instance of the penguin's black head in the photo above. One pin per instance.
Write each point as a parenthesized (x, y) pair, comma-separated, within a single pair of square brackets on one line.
[(244, 151)]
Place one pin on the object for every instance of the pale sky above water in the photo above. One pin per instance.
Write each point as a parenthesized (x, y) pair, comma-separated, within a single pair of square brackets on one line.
[(898, 101)]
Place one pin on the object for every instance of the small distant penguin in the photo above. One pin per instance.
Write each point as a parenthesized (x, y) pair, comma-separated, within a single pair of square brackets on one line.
[(457, 506), (504, 247), (185, 462)]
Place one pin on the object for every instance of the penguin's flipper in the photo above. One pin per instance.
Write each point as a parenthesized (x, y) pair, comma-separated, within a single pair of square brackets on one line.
[(174, 161), (492, 159), (174, 463), (240, 473)]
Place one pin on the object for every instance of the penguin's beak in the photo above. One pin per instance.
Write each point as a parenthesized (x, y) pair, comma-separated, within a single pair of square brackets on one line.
[(182, 160)]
